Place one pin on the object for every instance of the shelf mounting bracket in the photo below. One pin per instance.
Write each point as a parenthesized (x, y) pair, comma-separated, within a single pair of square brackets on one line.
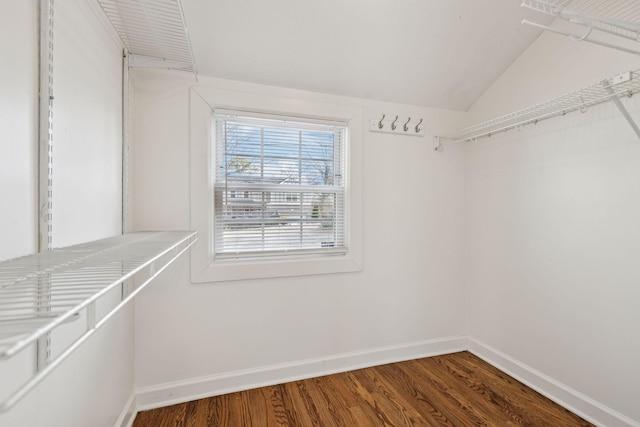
[(623, 110), (437, 144)]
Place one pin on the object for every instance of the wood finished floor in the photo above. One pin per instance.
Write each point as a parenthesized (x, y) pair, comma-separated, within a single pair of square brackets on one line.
[(452, 390)]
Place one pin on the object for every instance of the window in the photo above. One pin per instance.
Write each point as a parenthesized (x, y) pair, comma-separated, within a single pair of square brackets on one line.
[(288, 200), (279, 186)]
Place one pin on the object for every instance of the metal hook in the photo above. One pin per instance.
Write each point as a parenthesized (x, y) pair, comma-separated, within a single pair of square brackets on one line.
[(418, 126), (380, 125), (406, 125), (393, 124)]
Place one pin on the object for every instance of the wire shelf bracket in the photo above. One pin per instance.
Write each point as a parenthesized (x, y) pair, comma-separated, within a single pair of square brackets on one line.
[(154, 32), (621, 19), (74, 280), (622, 85)]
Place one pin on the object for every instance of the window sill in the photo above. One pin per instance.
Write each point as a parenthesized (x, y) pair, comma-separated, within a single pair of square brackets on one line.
[(229, 270)]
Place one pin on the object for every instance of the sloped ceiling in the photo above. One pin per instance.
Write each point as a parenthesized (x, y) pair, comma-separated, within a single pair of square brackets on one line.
[(435, 53)]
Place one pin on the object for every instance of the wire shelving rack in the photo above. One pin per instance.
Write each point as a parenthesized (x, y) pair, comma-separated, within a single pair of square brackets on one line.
[(623, 85), (154, 32), (620, 18), (41, 292)]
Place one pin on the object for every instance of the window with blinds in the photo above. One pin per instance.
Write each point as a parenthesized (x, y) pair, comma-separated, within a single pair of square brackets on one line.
[(279, 186)]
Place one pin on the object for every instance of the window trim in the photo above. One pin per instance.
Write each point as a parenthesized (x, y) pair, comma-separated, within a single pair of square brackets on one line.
[(203, 100)]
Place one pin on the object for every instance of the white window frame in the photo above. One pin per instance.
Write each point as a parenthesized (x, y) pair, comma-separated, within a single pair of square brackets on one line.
[(204, 269)]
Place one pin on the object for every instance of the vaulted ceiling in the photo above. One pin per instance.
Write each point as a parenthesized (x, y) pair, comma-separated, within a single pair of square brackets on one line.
[(435, 53)]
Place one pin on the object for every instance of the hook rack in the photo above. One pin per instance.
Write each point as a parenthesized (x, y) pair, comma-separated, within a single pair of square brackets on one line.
[(391, 126)]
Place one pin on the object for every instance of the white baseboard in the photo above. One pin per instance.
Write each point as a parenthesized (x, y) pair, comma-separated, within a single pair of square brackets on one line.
[(565, 396), (129, 412), (198, 388)]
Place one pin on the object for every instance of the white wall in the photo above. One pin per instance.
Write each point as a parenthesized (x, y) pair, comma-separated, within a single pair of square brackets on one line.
[(90, 388), (408, 293), (553, 232), (18, 152), (87, 151), (19, 138)]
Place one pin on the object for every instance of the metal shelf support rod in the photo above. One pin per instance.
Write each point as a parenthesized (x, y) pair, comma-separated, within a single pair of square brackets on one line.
[(623, 110)]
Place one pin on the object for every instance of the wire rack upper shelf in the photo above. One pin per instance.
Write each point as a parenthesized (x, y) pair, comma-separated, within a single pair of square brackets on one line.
[(40, 292), (621, 18), (154, 31), (622, 85)]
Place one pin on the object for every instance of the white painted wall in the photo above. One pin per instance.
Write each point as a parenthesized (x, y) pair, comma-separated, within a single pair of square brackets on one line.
[(87, 150), (18, 121), (409, 291), (90, 388), (552, 229), (18, 154)]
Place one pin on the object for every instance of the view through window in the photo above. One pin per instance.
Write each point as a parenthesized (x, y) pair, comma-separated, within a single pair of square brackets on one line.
[(279, 186)]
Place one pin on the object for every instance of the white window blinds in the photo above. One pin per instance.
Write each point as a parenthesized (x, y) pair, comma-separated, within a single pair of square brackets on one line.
[(279, 187)]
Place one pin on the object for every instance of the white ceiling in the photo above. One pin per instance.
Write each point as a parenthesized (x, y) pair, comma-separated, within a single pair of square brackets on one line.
[(435, 53)]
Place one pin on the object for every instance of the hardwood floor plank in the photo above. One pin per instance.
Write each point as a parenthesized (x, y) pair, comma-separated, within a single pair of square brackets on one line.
[(446, 397), (291, 405), (533, 406), (168, 416), (488, 409), (223, 412), (327, 412), (360, 402), (412, 391), (391, 406), (488, 399), (197, 414), (375, 403), (454, 390), (337, 402), (303, 403), (276, 414)]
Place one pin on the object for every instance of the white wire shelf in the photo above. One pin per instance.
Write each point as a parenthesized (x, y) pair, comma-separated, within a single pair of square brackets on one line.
[(618, 17), (622, 85), (39, 293), (154, 32)]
